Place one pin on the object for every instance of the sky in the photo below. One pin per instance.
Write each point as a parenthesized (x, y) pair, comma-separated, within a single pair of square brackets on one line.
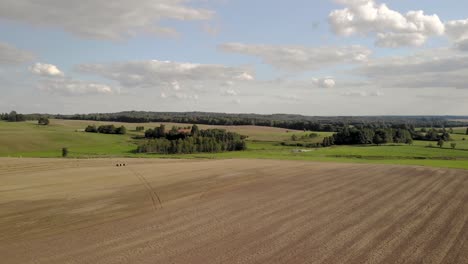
[(322, 57)]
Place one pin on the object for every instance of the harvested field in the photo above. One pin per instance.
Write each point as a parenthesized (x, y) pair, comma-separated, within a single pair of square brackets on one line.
[(230, 211)]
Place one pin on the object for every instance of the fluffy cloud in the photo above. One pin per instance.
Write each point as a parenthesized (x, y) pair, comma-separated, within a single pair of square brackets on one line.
[(300, 58), (70, 87), (46, 70), (102, 19), (53, 81), (10, 55), (393, 29), (457, 30), (165, 74)]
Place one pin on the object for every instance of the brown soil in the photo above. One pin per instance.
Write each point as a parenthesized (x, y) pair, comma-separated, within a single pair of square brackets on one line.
[(230, 211)]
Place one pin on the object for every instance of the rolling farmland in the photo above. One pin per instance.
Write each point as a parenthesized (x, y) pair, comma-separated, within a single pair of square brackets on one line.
[(230, 211)]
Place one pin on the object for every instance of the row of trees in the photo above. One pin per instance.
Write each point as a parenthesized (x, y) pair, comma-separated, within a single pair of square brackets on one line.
[(363, 136), (379, 136), (432, 135), (304, 137), (106, 129), (13, 116), (180, 141)]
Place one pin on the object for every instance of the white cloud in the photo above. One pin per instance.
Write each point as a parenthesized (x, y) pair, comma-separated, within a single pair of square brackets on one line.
[(457, 29), (175, 85), (165, 74), (103, 19), (438, 68), (10, 55), (66, 86), (325, 82), (393, 29), (395, 40), (229, 92), (462, 45), (355, 93), (289, 97), (70, 87), (300, 58), (245, 77), (46, 70)]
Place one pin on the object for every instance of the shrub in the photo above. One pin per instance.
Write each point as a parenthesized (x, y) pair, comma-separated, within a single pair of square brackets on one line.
[(43, 121), (64, 152), (91, 129), (106, 129)]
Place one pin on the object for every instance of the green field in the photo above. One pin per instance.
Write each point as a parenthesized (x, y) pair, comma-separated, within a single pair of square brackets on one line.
[(27, 139)]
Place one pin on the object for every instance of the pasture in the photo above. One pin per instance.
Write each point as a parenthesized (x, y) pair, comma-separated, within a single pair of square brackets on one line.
[(27, 139)]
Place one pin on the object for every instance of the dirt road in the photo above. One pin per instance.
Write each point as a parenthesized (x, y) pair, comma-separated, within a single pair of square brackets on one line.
[(230, 211)]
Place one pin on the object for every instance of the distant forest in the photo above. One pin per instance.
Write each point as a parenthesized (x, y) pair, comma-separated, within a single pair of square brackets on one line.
[(287, 121), (297, 122)]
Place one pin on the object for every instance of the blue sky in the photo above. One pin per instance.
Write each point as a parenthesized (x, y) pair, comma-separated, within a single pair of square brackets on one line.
[(235, 56)]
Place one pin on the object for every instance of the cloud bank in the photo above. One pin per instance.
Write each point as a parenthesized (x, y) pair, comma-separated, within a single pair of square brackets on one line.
[(103, 19)]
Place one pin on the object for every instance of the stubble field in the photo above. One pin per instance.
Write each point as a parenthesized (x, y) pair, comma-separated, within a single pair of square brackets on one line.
[(230, 211)]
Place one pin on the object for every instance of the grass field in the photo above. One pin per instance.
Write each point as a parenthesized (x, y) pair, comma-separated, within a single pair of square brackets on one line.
[(30, 140), (230, 211)]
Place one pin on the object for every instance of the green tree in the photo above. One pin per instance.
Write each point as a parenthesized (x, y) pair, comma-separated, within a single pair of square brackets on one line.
[(194, 131), (12, 117), (91, 129), (445, 136), (453, 145), (43, 121), (440, 143), (380, 137), (161, 131), (121, 130), (432, 135), (409, 141), (64, 152), (326, 142), (294, 138)]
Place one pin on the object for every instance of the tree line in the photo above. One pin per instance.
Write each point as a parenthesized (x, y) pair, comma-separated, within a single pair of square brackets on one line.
[(379, 136), (364, 136), (297, 122), (288, 121), (13, 116), (180, 141), (106, 129)]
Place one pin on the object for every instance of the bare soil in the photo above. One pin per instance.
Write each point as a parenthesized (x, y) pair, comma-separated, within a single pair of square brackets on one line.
[(230, 211)]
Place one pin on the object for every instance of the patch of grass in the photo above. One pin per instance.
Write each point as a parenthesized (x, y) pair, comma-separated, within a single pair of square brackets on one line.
[(31, 140), (28, 139)]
